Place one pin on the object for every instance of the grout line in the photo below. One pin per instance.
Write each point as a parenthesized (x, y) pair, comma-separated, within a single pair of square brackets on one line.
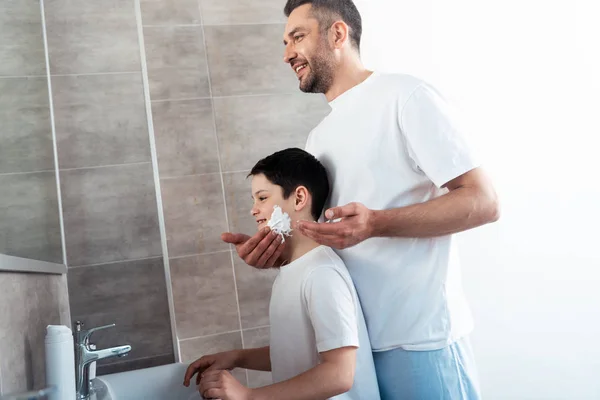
[(202, 24), (23, 76), (180, 99), (256, 328), (170, 25), (212, 335), (225, 333), (100, 73), (159, 203), (54, 141), (200, 254), (114, 262), (107, 166), (237, 296), (232, 96), (282, 23), (237, 172), (27, 172), (188, 176)]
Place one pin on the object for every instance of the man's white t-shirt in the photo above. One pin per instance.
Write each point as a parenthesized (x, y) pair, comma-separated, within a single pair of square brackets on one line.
[(391, 142), (314, 308)]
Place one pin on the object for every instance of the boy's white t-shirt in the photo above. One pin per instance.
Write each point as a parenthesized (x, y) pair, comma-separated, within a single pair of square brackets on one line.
[(314, 308), (390, 142)]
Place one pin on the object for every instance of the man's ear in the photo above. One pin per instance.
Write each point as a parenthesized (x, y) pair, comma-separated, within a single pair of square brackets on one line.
[(301, 198), (339, 33)]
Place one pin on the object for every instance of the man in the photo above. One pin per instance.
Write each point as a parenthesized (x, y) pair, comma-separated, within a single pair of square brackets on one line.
[(403, 182)]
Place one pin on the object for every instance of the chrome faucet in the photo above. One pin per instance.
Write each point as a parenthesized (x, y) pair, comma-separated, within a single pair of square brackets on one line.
[(84, 356)]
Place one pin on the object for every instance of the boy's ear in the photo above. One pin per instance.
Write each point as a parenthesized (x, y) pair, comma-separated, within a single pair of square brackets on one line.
[(301, 198)]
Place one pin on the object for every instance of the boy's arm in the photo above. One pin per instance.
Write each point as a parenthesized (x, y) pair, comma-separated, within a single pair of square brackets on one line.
[(331, 305), (258, 359), (333, 376)]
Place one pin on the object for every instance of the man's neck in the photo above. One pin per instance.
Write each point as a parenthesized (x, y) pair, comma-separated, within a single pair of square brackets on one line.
[(350, 73)]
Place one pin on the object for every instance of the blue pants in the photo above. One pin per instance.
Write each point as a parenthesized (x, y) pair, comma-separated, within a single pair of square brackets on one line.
[(445, 374)]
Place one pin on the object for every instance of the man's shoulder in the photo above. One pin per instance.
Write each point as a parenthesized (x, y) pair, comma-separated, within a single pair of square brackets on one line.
[(397, 81)]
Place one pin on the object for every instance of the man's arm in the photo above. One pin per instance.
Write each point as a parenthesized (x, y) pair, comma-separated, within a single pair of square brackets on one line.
[(470, 202), (333, 376)]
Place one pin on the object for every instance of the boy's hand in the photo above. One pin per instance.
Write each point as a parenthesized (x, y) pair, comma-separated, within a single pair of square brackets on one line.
[(227, 360), (356, 225), (222, 385), (263, 250)]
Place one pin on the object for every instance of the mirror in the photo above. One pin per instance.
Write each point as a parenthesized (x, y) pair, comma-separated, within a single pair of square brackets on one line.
[(29, 207)]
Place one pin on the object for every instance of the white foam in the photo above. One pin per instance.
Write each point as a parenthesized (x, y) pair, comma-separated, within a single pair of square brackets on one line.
[(280, 222)]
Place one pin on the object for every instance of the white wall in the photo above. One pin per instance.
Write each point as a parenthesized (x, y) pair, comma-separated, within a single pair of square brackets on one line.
[(525, 76)]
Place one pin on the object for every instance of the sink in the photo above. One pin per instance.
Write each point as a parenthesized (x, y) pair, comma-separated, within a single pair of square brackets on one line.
[(156, 383)]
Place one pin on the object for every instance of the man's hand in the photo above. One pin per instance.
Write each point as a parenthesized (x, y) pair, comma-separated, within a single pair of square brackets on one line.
[(263, 250), (221, 361), (354, 227), (222, 385)]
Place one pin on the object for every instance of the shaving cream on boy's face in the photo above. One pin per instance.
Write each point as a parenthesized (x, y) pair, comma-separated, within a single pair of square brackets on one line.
[(280, 222), (271, 207)]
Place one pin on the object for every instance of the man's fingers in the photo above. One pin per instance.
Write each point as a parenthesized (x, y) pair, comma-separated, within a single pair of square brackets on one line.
[(259, 249), (273, 260), (341, 212), (333, 229), (234, 238), (247, 247), (326, 240), (269, 252)]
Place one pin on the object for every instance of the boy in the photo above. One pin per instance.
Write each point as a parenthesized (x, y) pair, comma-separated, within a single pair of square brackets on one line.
[(319, 347)]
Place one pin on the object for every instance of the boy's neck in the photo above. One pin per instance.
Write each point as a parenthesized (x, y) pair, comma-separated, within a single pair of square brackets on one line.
[(297, 246)]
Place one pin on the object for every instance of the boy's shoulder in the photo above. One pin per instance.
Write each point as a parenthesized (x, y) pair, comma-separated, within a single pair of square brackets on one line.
[(325, 265), (322, 257)]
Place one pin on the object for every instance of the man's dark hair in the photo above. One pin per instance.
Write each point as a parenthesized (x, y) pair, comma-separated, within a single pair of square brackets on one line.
[(328, 11), (294, 167)]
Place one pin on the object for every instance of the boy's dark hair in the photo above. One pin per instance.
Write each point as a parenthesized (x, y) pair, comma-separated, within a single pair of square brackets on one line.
[(294, 167), (328, 11)]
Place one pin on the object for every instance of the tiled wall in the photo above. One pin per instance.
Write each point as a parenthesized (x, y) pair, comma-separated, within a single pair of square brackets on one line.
[(222, 98), (29, 214), (113, 243)]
